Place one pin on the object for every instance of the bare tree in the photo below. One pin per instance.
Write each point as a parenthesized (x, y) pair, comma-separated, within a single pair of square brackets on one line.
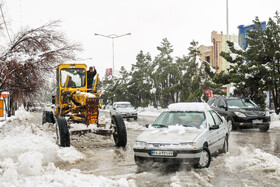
[(31, 56)]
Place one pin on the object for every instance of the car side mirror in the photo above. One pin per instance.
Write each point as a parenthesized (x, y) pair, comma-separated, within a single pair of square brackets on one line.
[(224, 107), (214, 127), (147, 125), (114, 108)]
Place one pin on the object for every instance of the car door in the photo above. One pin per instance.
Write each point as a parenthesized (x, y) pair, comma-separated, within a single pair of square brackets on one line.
[(213, 135), (221, 132), (221, 108)]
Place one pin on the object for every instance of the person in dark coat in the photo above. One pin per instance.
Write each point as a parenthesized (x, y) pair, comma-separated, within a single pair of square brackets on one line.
[(90, 75)]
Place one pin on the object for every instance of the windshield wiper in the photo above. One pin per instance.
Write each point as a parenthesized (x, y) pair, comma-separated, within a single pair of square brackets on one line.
[(159, 125)]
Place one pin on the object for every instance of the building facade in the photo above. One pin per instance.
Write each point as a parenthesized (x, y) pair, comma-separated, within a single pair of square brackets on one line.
[(211, 54), (242, 34)]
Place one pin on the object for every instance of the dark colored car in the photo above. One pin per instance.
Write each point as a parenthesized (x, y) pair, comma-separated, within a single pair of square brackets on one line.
[(241, 113)]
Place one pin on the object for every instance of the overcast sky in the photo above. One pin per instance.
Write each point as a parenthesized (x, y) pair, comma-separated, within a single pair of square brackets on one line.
[(148, 21)]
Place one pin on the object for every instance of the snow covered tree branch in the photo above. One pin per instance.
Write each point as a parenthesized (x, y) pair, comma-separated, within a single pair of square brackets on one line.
[(26, 62)]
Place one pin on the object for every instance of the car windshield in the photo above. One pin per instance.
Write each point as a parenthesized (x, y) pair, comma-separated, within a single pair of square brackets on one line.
[(241, 103), (124, 106), (77, 77), (187, 119)]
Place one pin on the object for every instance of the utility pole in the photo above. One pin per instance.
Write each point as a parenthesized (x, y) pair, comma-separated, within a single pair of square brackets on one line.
[(227, 49)]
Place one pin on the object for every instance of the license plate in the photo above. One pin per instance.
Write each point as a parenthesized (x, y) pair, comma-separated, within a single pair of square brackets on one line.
[(162, 153), (257, 121)]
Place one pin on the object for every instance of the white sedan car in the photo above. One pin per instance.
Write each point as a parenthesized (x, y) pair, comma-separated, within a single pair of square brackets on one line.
[(124, 109), (187, 133)]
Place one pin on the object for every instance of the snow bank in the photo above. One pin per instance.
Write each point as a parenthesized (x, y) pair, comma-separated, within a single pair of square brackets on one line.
[(18, 138), (53, 176), (256, 160), (275, 121), (28, 152), (134, 126)]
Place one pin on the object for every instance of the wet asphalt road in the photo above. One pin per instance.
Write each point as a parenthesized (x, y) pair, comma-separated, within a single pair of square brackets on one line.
[(104, 159)]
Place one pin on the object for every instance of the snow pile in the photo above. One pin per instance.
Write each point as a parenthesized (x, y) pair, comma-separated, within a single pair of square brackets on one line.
[(257, 160), (134, 126), (19, 137), (182, 130), (28, 152), (275, 120), (53, 176)]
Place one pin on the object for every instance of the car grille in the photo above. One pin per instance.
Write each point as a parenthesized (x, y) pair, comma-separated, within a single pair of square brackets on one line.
[(254, 114), (159, 144)]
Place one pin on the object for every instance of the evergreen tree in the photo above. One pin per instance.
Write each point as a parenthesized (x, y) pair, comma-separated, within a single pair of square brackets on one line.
[(140, 82), (162, 76), (257, 69)]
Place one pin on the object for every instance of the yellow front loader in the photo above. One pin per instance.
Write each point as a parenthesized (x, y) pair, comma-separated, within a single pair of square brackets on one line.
[(75, 103)]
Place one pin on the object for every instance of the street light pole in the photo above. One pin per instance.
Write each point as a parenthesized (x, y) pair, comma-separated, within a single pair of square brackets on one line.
[(227, 48), (113, 36)]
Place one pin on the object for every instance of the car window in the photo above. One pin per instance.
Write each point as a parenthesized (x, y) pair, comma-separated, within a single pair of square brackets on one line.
[(249, 103), (217, 118), (124, 105), (210, 119), (216, 102), (222, 103), (187, 119), (211, 101)]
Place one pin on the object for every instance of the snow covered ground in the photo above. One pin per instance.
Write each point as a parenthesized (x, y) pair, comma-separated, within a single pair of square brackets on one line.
[(28, 152), (28, 157)]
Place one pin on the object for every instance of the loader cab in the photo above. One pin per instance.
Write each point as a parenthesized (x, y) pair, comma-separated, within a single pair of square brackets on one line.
[(78, 75)]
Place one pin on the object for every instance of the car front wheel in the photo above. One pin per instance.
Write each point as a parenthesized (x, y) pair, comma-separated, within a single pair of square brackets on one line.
[(264, 128), (205, 159), (231, 125)]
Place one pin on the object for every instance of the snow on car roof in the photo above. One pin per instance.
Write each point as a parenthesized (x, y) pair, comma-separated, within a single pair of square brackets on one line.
[(189, 107)]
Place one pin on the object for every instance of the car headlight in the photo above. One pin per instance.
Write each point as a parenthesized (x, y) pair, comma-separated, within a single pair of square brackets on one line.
[(267, 113), (191, 145), (140, 144), (240, 114)]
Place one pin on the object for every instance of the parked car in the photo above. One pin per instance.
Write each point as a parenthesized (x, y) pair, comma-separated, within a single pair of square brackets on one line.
[(124, 109), (241, 112), (187, 133)]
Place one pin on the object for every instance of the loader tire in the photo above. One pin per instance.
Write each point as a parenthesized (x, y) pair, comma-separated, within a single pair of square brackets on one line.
[(120, 135), (62, 133), (47, 117)]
